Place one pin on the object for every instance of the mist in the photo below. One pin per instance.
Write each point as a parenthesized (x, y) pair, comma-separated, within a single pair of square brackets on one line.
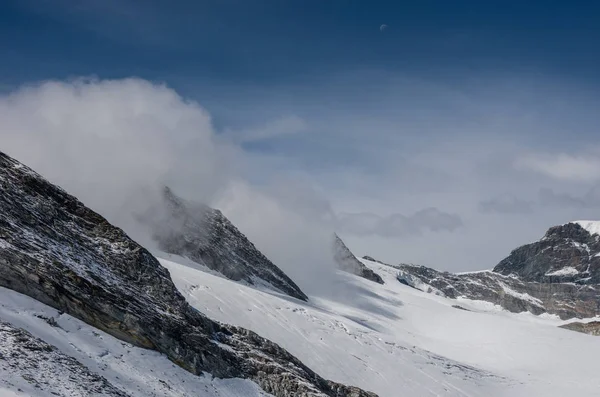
[(115, 144)]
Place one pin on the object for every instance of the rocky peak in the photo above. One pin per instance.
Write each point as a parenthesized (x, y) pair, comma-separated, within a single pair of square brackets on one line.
[(56, 250), (347, 262), (566, 253), (205, 236)]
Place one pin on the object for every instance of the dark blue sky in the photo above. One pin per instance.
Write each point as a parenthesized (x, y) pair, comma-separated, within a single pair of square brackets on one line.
[(269, 42)]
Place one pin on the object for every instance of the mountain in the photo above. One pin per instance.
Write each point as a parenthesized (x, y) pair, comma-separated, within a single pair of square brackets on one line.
[(568, 253), (86, 311), (59, 252), (205, 236), (559, 274), (346, 261)]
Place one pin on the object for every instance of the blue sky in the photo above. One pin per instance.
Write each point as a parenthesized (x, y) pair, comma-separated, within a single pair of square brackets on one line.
[(278, 42), (485, 111)]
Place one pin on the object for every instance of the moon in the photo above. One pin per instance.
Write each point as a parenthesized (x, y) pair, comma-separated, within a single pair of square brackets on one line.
[(382, 27)]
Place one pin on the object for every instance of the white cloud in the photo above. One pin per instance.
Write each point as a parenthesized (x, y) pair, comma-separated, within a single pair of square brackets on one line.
[(583, 167), (115, 143)]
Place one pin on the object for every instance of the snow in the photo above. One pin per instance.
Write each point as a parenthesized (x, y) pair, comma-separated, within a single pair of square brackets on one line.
[(395, 340), (521, 295), (475, 272), (138, 372), (565, 271), (593, 227)]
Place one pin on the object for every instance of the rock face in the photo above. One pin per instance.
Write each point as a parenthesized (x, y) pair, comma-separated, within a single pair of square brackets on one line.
[(44, 367), (559, 274), (347, 262), (56, 250), (567, 300), (591, 328), (205, 236), (566, 254)]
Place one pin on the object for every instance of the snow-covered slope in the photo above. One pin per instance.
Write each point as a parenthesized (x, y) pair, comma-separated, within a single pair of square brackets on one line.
[(397, 341), (58, 355)]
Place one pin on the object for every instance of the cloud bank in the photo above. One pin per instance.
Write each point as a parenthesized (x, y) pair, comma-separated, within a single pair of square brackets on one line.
[(115, 143)]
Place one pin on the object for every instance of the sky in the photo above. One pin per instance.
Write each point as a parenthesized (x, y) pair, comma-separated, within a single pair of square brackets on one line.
[(454, 134)]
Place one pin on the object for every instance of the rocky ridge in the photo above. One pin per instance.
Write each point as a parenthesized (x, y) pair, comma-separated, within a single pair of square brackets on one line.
[(559, 274), (346, 261), (61, 253), (591, 328), (205, 236)]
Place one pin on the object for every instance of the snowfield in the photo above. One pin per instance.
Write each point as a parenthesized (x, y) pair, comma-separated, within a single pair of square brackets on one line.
[(391, 339), (398, 341)]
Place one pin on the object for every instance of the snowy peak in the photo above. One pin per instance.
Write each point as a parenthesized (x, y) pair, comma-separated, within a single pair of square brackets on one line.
[(566, 253), (205, 236), (347, 262)]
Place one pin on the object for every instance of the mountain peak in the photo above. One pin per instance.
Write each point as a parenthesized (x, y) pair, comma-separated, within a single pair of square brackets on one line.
[(347, 262), (205, 236)]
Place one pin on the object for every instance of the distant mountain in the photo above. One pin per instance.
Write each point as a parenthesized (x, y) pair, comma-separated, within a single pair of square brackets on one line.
[(347, 262), (56, 250), (559, 274), (568, 253), (205, 236)]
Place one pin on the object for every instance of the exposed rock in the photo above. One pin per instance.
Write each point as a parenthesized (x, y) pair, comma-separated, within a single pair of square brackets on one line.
[(459, 307), (591, 328), (46, 368), (558, 274), (566, 254), (347, 262), (370, 258), (567, 300), (56, 250), (205, 236)]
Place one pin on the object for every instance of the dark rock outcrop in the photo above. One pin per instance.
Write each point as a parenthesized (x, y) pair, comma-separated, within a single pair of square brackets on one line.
[(591, 328), (567, 300), (559, 274), (58, 251), (347, 262), (567, 253), (205, 236), (46, 368)]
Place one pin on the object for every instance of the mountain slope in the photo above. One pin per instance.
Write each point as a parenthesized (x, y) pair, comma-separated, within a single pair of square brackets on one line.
[(347, 262), (61, 253), (566, 253), (27, 362), (398, 341), (59, 355), (207, 237), (558, 274)]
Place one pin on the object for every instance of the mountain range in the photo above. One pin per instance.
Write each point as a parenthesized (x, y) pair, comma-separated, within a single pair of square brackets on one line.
[(85, 310)]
